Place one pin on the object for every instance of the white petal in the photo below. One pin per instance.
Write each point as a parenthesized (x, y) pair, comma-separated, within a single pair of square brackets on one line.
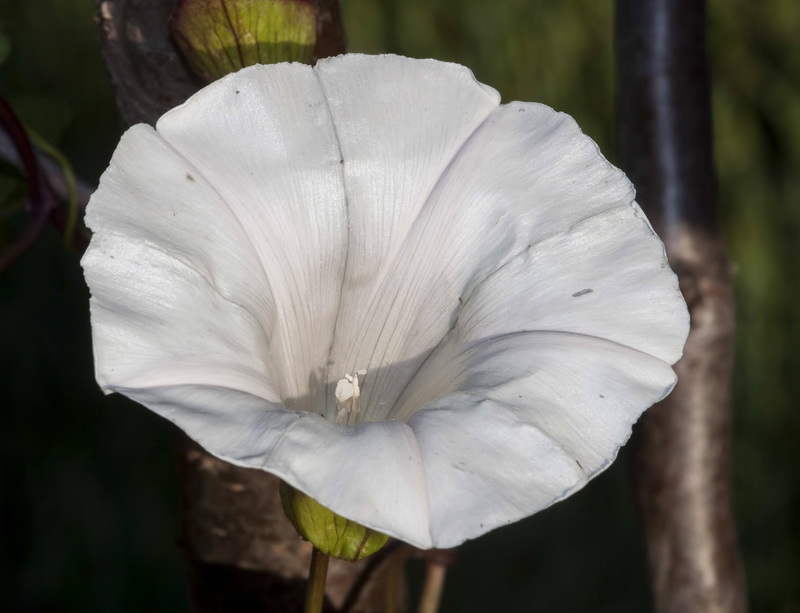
[(370, 473), (529, 420), (292, 226), (525, 174), (263, 138), (399, 122), (606, 276), (178, 296)]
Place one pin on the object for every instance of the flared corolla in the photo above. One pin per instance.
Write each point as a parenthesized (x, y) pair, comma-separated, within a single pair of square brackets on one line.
[(433, 313)]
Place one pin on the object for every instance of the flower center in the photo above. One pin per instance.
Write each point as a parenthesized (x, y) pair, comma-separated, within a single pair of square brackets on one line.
[(348, 395)]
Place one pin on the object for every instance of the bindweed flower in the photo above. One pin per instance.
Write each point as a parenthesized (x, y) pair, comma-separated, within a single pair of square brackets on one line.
[(432, 313)]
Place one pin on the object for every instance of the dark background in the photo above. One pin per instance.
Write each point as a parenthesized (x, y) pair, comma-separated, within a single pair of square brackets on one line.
[(88, 488)]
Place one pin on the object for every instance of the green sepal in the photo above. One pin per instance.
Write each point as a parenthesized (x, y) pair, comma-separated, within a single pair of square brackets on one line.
[(332, 534), (218, 37)]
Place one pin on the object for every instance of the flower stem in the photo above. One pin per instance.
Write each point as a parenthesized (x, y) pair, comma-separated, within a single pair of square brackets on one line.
[(317, 574), (434, 586)]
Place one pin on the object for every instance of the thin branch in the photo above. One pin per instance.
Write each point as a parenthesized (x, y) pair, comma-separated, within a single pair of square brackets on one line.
[(52, 173), (41, 174), (433, 588), (21, 145), (53, 179)]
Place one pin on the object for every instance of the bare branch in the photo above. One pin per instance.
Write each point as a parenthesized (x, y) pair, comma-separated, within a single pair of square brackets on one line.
[(53, 173), (47, 185), (147, 72)]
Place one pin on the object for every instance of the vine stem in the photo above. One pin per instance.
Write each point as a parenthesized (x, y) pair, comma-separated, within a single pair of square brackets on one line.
[(317, 574), (434, 586)]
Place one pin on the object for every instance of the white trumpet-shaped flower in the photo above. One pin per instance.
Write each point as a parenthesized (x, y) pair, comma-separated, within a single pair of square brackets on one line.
[(432, 313)]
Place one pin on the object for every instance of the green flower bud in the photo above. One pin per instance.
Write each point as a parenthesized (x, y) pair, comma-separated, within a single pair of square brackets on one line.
[(218, 37), (332, 534)]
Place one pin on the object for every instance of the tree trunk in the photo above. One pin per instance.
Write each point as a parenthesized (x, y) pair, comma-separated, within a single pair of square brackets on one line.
[(682, 444)]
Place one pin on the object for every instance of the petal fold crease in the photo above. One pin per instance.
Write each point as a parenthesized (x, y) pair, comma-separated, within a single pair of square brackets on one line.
[(264, 139)]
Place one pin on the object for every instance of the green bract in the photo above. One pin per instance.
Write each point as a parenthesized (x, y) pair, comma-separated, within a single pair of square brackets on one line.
[(218, 37), (332, 534)]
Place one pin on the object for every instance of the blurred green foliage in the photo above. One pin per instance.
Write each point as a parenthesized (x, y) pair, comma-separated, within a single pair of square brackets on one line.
[(88, 494)]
